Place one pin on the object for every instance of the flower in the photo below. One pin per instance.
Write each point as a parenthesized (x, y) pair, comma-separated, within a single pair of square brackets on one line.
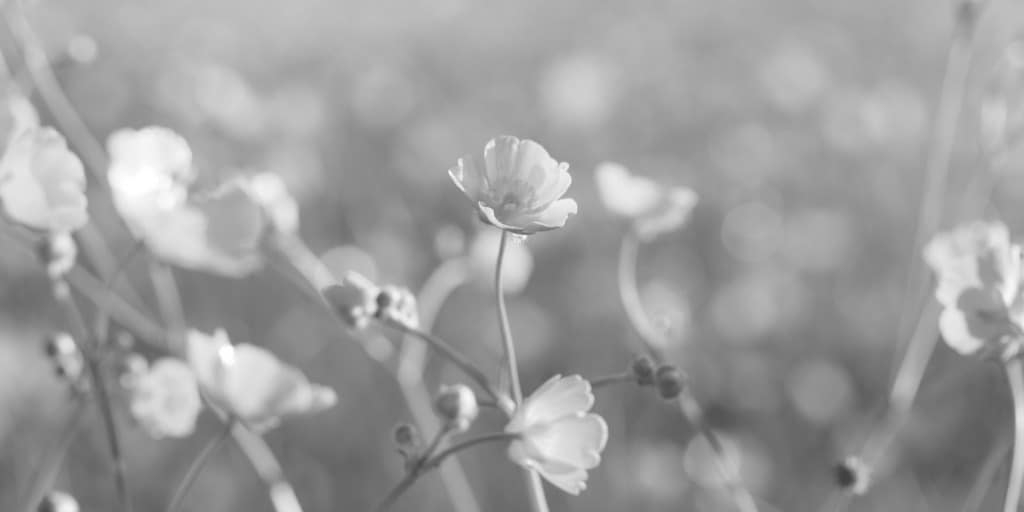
[(457, 406), (979, 273), (397, 304), (218, 231), (42, 183), (354, 299), (165, 399), (517, 187), (654, 209), (16, 116), (558, 437), (279, 207), (250, 383)]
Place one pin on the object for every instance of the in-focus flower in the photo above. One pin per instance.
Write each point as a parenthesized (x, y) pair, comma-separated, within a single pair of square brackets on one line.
[(456, 406), (559, 437), (398, 304), (42, 183), (979, 274), (150, 175), (354, 299), (250, 383), (165, 399), (654, 209), (517, 186)]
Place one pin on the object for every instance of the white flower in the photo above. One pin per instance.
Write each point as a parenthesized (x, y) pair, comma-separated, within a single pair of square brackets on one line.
[(354, 299), (165, 399), (42, 183), (517, 187), (250, 383), (16, 116), (559, 438), (654, 208), (979, 276), (269, 191)]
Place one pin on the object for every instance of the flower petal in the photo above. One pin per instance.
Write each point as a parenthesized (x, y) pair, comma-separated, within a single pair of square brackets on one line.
[(575, 441), (573, 482), (556, 398), (467, 176), (953, 326), (500, 154), (555, 216)]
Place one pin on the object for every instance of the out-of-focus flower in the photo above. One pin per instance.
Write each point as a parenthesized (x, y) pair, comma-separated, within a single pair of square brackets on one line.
[(16, 116), (42, 183), (517, 186), (515, 269), (219, 231), (456, 406), (354, 299), (278, 205), (165, 399), (559, 437), (653, 208), (979, 275), (398, 304), (68, 361), (250, 383), (58, 253)]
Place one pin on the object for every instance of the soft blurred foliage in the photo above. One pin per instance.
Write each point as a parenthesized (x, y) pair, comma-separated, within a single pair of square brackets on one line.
[(802, 124)]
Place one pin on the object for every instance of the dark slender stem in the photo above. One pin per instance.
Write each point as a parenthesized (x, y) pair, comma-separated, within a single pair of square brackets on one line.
[(197, 466), (609, 380)]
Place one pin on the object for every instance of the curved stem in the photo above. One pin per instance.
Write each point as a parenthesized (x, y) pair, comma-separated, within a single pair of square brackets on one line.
[(197, 466), (1015, 377), (538, 500)]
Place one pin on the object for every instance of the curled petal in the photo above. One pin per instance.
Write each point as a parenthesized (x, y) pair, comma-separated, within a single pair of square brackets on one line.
[(557, 398)]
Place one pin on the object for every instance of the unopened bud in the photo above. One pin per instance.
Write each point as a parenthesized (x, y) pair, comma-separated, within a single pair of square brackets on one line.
[(670, 381), (354, 299), (456, 406), (406, 437), (643, 369), (57, 253), (57, 501), (853, 475), (398, 305)]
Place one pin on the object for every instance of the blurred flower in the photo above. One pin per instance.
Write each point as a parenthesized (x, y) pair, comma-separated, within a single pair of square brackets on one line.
[(58, 253), (559, 439), (219, 231), (354, 299), (397, 304), (42, 183), (17, 115), (517, 187), (456, 406), (250, 383), (271, 194), (515, 269), (654, 208), (165, 399), (979, 274)]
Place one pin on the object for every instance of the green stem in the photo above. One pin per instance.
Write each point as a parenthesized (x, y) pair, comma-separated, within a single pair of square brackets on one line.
[(1015, 377), (197, 466), (538, 501)]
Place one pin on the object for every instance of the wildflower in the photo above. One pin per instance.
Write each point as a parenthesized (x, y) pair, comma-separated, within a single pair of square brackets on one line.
[(457, 406), (165, 399), (559, 438), (354, 299), (279, 207), (150, 175), (653, 208), (16, 116), (397, 304), (979, 273), (517, 186), (42, 183), (250, 383), (515, 269)]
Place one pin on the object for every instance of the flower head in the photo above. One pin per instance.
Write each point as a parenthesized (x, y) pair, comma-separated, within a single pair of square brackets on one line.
[(653, 208), (42, 183), (251, 383), (517, 186), (979, 276), (165, 399), (559, 438)]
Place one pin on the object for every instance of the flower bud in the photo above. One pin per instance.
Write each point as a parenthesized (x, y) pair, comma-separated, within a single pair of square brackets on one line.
[(57, 501), (852, 475), (67, 359), (643, 369), (456, 406), (398, 305), (670, 381), (354, 299), (58, 253), (406, 436)]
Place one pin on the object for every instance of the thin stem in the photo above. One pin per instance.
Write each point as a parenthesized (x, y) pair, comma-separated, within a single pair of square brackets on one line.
[(282, 494), (450, 353), (1014, 374), (608, 380), (654, 341), (987, 473), (197, 466), (44, 475), (538, 501)]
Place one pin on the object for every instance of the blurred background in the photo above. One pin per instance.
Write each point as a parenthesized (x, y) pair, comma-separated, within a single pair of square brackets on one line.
[(802, 125)]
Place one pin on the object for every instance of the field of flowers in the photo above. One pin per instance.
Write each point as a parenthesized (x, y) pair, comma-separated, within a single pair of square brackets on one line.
[(521, 256)]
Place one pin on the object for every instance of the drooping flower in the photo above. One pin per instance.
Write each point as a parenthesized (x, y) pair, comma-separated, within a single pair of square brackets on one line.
[(42, 183), (354, 299), (250, 383), (979, 277), (165, 399), (517, 186), (218, 231), (653, 208), (559, 437)]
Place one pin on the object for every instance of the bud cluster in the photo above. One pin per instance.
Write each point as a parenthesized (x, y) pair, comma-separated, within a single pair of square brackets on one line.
[(668, 379)]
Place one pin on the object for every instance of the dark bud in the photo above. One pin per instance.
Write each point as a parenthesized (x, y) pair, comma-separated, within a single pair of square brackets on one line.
[(852, 475), (406, 437), (643, 369), (57, 501), (670, 381)]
